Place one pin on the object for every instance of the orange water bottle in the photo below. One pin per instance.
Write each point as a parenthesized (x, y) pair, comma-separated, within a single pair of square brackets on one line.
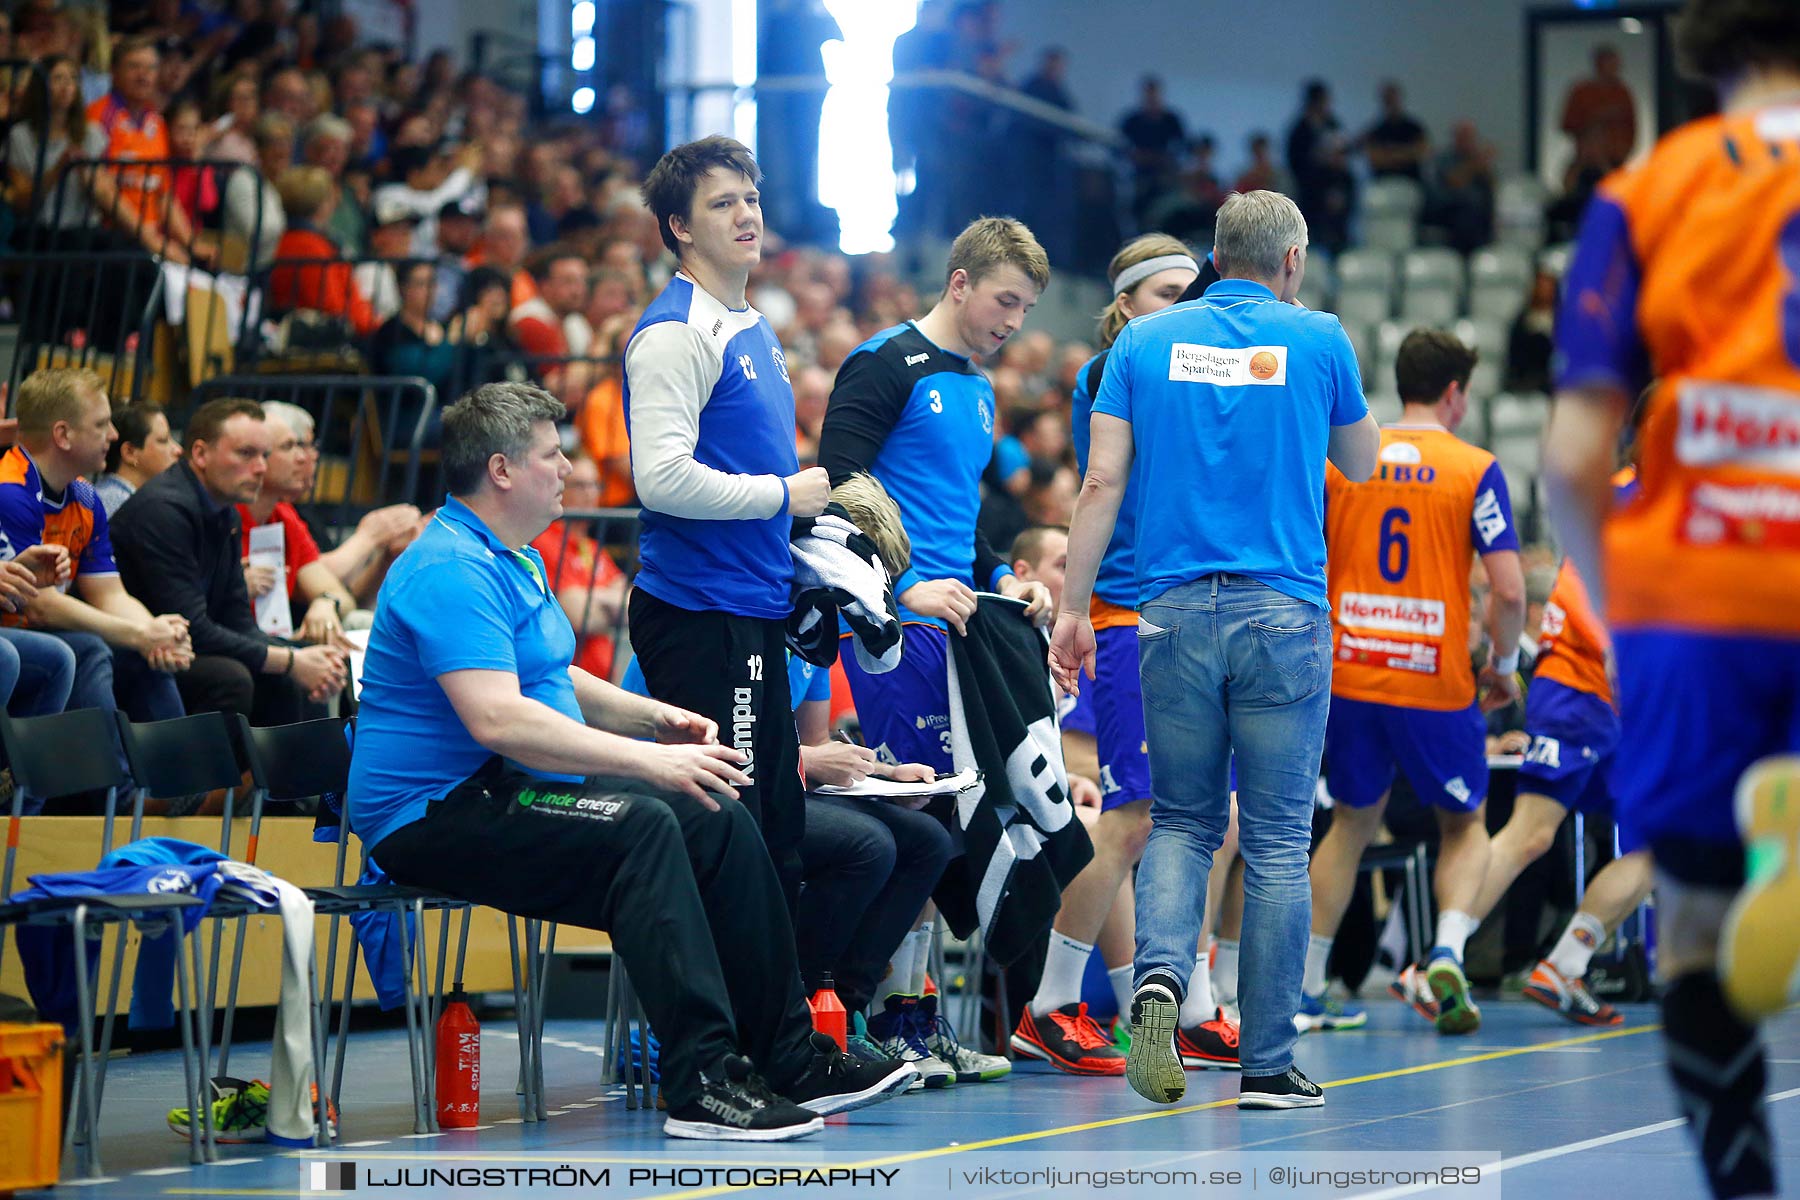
[(458, 1065), (828, 1014)]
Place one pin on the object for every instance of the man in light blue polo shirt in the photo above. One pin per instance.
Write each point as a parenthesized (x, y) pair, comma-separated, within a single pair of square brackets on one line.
[(489, 768), (1233, 403)]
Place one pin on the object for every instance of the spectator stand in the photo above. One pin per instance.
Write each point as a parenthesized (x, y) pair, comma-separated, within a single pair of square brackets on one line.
[(124, 297)]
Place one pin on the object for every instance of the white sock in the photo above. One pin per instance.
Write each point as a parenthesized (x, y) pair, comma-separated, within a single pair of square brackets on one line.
[(1224, 972), (1120, 978), (921, 963), (1453, 930), (1392, 946), (1318, 951), (899, 972), (1197, 1005), (1063, 969), (1576, 947)]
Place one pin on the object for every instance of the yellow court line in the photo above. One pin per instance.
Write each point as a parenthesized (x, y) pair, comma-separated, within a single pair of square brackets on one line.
[(990, 1143), (1017, 1138)]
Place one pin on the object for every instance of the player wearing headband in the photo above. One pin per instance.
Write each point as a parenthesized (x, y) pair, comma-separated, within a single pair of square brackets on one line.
[(1148, 274)]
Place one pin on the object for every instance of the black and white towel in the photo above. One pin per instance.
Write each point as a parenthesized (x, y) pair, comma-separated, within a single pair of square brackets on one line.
[(838, 573)]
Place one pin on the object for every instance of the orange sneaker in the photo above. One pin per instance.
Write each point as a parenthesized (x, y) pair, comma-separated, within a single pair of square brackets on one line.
[(1570, 997), (1069, 1040), (1209, 1046)]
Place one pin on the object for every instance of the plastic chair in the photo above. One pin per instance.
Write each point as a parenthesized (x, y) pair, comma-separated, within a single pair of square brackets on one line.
[(1393, 195), (1498, 266), (1366, 268), (1390, 231), (1430, 306), (1362, 304), (312, 758), (199, 754), (1434, 267), (62, 755)]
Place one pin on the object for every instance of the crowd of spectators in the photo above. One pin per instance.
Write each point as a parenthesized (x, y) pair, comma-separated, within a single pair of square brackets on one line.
[(420, 216)]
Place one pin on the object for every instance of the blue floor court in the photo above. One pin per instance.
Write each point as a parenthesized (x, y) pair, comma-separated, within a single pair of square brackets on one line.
[(1568, 1111)]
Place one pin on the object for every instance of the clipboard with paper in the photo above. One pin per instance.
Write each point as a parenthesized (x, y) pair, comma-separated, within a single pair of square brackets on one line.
[(878, 787)]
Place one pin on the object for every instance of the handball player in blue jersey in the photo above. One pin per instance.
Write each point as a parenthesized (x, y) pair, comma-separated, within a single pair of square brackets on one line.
[(711, 416), (912, 408)]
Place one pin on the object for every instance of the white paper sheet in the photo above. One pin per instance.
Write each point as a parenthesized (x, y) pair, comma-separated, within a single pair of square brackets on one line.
[(268, 548), (358, 638), (888, 789)]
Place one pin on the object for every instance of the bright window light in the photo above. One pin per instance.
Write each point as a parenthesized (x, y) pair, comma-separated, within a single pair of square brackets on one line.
[(581, 19), (743, 42), (856, 156), (743, 71), (583, 100), (581, 55)]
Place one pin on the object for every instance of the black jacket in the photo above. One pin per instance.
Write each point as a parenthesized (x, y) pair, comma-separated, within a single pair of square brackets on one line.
[(179, 553)]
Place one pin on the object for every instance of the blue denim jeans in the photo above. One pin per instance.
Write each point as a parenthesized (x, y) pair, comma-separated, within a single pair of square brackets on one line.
[(1228, 666), (37, 672)]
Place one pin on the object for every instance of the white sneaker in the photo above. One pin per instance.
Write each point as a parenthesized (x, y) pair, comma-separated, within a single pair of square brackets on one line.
[(970, 1065), (898, 1031)]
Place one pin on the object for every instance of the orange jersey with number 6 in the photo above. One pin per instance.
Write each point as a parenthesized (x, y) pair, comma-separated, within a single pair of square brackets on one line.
[(1398, 549)]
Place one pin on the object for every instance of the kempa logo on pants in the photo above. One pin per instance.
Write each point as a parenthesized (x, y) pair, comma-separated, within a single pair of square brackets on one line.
[(743, 729), (331, 1177)]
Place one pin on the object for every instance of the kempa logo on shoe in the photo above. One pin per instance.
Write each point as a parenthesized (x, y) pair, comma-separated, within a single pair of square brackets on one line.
[(569, 805), (729, 1113)]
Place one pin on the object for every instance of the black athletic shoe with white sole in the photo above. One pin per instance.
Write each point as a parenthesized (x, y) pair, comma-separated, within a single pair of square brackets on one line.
[(1153, 1066), (737, 1106), (836, 1082), (1290, 1089)]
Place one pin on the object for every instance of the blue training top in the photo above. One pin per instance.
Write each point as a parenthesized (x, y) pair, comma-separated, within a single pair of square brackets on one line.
[(1231, 400)]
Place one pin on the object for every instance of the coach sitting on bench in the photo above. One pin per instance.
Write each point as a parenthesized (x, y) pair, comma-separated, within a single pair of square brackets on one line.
[(476, 748)]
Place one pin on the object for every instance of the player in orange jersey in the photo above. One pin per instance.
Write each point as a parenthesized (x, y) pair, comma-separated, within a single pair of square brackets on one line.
[(1687, 270), (1403, 692), (1574, 730)]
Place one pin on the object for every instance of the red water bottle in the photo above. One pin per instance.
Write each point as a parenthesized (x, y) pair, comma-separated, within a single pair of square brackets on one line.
[(458, 1065), (829, 1016)]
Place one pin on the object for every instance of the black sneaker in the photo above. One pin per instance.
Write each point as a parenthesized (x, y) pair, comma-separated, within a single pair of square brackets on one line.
[(739, 1107), (1290, 1089), (836, 1082)]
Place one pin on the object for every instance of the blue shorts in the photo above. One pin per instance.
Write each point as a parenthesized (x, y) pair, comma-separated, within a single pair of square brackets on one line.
[(1697, 711), (1075, 714), (1119, 718), (905, 712), (1444, 754), (1573, 735)]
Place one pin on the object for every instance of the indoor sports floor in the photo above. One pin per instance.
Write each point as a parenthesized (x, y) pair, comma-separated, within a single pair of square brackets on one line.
[(1566, 1110)]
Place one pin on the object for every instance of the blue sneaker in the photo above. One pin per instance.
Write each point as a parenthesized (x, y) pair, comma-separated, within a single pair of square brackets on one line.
[(1327, 1012), (898, 1031)]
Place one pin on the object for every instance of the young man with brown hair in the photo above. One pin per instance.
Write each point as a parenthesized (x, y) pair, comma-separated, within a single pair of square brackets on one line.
[(911, 408), (711, 416)]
